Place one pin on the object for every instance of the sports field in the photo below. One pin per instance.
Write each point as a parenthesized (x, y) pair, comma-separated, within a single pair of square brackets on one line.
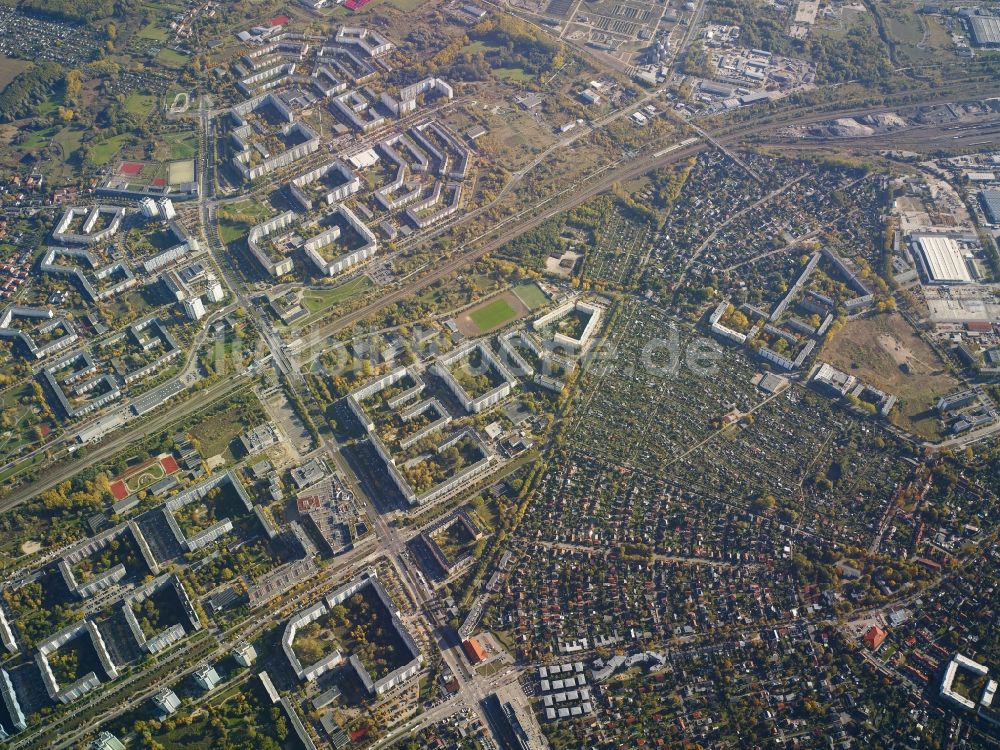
[(531, 294), (180, 171), (491, 313), (494, 314), (138, 174), (146, 477), (143, 475)]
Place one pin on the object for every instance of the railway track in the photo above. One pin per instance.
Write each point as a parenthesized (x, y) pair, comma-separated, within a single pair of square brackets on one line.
[(64, 470), (522, 222)]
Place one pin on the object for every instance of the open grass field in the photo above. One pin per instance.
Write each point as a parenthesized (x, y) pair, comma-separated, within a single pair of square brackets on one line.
[(407, 5), (216, 433), (171, 59), (152, 31), (531, 295), (317, 301), (230, 231), (102, 152), (236, 220), (478, 46), (258, 210), (69, 140), (905, 28), (491, 313), (919, 38), (9, 69), (140, 104), (183, 145), (886, 352), (517, 75), (38, 138)]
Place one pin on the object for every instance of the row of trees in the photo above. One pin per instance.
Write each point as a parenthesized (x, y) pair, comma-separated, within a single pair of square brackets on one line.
[(88, 11)]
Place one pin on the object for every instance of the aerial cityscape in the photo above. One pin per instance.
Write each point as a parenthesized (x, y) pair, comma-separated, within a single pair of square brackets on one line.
[(499, 374)]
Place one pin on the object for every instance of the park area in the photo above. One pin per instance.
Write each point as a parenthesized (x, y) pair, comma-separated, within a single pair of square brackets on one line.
[(142, 476), (500, 309), (885, 351)]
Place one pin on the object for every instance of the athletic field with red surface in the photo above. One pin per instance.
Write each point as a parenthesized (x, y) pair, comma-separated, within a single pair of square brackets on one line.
[(143, 475), (131, 167)]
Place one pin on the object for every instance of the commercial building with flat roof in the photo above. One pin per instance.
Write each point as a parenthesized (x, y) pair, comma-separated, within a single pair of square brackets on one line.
[(990, 201), (985, 30), (942, 259)]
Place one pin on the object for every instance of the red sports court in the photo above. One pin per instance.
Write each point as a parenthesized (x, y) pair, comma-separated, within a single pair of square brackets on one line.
[(131, 167)]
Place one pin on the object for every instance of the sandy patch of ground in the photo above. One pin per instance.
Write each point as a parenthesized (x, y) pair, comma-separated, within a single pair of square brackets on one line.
[(885, 351), (214, 462)]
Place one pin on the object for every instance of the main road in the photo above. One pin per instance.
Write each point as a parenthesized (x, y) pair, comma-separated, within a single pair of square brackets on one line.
[(506, 230)]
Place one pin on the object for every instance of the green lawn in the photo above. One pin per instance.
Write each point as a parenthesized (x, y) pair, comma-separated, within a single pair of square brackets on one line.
[(318, 300), (69, 139), (101, 153), (51, 103), (38, 138), (230, 231), (512, 74), (140, 104), (25, 465), (906, 28), (181, 145), (479, 46), (172, 59), (252, 208), (152, 31), (232, 219), (407, 4), (531, 295), (494, 314)]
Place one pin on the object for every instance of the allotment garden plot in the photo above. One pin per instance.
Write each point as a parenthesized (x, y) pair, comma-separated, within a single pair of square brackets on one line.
[(637, 414), (620, 250), (827, 470)]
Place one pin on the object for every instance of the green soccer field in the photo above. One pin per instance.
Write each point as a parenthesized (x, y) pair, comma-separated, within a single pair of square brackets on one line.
[(531, 295), (494, 314)]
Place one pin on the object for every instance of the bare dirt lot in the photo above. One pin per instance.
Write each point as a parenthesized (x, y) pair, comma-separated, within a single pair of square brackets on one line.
[(886, 352)]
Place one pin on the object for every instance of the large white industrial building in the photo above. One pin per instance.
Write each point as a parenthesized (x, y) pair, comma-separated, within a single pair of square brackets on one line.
[(942, 259)]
